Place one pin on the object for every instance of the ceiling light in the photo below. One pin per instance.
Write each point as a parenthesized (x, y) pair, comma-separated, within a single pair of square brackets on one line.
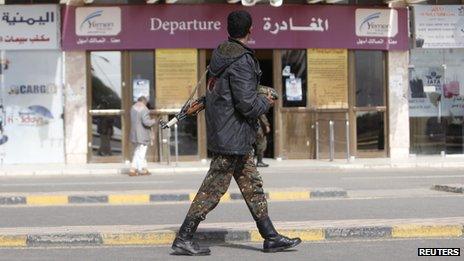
[(276, 3), (249, 2)]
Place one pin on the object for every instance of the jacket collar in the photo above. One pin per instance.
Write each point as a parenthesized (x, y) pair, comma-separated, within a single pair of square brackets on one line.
[(242, 44)]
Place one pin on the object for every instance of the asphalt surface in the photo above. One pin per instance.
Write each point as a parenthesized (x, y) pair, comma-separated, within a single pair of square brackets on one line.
[(300, 178), (350, 250), (374, 194), (449, 205)]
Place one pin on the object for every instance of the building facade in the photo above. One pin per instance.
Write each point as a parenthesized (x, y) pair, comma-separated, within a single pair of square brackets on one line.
[(343, 72)]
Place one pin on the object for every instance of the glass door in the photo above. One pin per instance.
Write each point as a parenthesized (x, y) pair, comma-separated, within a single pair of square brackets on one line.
[(368, 107), (426, 77), (295, 117), (452, 104), (142, 83), (436, 101), (106, 135)]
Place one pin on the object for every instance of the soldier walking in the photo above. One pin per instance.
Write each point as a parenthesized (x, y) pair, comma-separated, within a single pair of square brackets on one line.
[(233, 107)]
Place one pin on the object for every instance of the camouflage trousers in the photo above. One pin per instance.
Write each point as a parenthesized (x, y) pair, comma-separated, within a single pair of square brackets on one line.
[(217, 181)]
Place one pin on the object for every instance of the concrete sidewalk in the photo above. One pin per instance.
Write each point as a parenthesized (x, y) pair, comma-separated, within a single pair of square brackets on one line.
[(451, 162), (233, 232)]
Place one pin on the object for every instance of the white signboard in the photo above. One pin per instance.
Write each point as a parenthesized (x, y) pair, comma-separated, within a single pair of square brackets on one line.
[(29, 27), (32, 108), (439, 26), (293, 89), (98, 21), (376, 22), (141, 87)]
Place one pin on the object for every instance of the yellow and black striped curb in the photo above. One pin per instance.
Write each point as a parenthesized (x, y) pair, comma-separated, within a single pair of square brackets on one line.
[(143, 198), (164, 237), (454, 188)]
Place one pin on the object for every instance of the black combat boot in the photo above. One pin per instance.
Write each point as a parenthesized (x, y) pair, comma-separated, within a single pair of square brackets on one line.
[(184, 244), (273, 241), (260, 162)]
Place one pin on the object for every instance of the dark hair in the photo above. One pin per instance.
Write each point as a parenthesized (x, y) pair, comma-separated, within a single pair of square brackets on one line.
[(238, 24)]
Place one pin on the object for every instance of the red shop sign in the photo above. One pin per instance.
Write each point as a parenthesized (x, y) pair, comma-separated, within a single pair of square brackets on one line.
[(205, 26)]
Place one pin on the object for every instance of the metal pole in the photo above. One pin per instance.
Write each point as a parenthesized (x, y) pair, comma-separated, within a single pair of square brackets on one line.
[(317, 140), (160, 143), (347, 140), (177, 143), (168, 142), (331, 140)]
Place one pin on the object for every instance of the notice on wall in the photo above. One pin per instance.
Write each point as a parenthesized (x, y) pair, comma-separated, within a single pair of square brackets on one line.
[(31, 108), (439, 26), (328, 78), (141, 87), (293, 89), (176, 76)]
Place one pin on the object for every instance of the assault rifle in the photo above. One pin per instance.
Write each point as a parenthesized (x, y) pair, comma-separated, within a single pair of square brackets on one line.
[(190, 108), (193, 107)]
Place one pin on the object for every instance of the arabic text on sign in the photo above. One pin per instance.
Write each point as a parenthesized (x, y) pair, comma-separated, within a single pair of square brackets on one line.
[(49, 18), (22, 40), (315, 25)]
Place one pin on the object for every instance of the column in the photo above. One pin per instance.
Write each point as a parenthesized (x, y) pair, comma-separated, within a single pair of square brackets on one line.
[(398, 105), (75, 107)]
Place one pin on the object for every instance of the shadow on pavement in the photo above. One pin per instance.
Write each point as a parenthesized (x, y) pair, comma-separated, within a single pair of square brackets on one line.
[(245, 247), (238, 246)]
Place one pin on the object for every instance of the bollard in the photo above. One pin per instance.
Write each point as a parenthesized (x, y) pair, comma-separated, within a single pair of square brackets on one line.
[(331, 140), (317, 140), (347, 140), (177, 143), (168, 145), (160, 143)]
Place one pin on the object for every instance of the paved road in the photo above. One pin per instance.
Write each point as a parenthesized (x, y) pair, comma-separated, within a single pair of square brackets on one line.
[(347, 251), (349, 180), (340, 209)]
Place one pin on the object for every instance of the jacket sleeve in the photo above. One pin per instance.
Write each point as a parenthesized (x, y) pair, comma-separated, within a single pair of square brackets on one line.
[(243, 87), (147, 121)]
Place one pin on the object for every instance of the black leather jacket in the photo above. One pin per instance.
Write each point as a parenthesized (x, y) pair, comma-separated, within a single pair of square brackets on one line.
[(232, 103)]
